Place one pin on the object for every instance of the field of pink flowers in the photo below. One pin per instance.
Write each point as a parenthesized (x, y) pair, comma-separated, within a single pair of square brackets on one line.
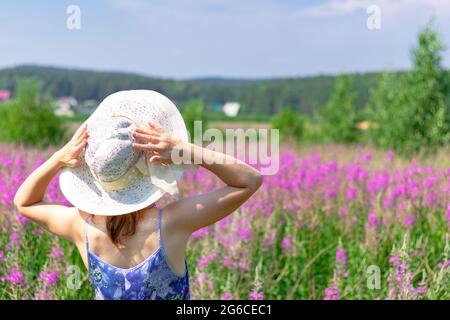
[(334, 223)]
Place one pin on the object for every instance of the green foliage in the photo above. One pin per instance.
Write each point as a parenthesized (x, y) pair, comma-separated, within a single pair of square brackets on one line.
[(411, 112), (29, 119), (290, 123), (194, 111), (215, 115), (338, 117), (78, 117), (380, 110)]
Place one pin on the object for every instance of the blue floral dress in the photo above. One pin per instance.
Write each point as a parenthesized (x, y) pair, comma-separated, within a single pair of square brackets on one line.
[(152, 279)]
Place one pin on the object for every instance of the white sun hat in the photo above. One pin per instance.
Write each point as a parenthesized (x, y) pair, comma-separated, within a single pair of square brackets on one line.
[(114, 178)]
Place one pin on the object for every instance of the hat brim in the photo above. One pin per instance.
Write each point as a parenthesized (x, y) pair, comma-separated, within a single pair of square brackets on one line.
[(84, 192)]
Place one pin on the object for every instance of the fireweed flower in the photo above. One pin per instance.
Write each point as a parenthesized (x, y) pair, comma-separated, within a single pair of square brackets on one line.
[(373, 221), (21, 219), (15, 277), (244, 265), (200, 233), (226, 296), (444, 264), (8, 198), (429, 200), (202, 277), (378, 182), (429, 182), (204, 261), (342, 212), (6, 161), (390, 155), (56, 252), (421, 289), (38, 232), (388, 202), (351, 194), (395, 260), (409, 220), (414, 190), (255, 295), (287, 244), (14, 239), (228, 262), (1, 257), (341, 256), (20, 163), (331, 293), (49, 278), (40, 295), (245, 233), (204, 282), (367, 157), (400, 280)]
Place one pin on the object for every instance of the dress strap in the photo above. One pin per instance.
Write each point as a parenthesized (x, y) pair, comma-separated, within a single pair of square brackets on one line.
[(85, 226), (159, 228)]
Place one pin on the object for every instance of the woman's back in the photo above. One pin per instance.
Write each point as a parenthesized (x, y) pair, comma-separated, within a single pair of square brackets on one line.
[(135, 247), (140, 270)]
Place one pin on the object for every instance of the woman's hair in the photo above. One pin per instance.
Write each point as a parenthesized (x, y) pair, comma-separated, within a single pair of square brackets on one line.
[(122, 226)]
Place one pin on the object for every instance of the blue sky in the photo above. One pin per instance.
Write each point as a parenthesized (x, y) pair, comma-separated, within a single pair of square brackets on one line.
[(227, 38)]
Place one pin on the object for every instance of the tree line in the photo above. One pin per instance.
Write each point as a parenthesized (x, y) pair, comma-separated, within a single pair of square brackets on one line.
[(264, 96)]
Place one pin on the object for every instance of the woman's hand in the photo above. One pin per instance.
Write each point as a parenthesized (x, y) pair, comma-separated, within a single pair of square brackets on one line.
[(158, 143), (68, 156)]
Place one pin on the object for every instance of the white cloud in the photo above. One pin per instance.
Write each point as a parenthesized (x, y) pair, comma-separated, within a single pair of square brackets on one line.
[(345, 7), (335, 8)]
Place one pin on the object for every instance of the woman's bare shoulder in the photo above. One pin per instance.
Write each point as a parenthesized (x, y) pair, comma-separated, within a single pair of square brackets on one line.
[(80, 218)]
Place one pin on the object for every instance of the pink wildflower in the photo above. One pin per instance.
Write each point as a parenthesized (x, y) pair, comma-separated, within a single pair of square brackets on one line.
[(331, 293), (409, 220), (56, 252), (373, 221), (15, 277), (287, 244), (255, 295), (226, 296), (50, 278), (341, 256)]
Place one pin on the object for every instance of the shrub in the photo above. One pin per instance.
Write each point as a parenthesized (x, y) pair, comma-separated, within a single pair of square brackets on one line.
[(29, 118), (382, 129), (194, 111), (338, 117), (290, 123)]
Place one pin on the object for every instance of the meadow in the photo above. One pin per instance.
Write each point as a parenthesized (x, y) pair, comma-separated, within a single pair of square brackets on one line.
[(336, 222)]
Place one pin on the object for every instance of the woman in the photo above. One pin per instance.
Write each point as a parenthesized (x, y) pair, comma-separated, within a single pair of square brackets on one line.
[(118, 163)]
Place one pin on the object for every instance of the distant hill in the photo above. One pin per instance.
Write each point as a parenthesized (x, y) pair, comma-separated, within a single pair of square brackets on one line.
[(264, 96)]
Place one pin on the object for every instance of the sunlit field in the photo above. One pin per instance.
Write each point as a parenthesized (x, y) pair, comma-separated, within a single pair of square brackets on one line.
[(335, 223)]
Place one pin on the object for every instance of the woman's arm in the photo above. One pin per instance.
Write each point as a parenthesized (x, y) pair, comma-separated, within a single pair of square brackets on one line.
[(28, 200), (193, 213), (241, 180)]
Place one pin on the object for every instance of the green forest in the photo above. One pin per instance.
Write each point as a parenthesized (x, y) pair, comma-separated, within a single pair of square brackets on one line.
[(257, 96)]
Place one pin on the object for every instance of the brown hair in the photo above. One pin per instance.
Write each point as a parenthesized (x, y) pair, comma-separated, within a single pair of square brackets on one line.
[(123, 225)]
